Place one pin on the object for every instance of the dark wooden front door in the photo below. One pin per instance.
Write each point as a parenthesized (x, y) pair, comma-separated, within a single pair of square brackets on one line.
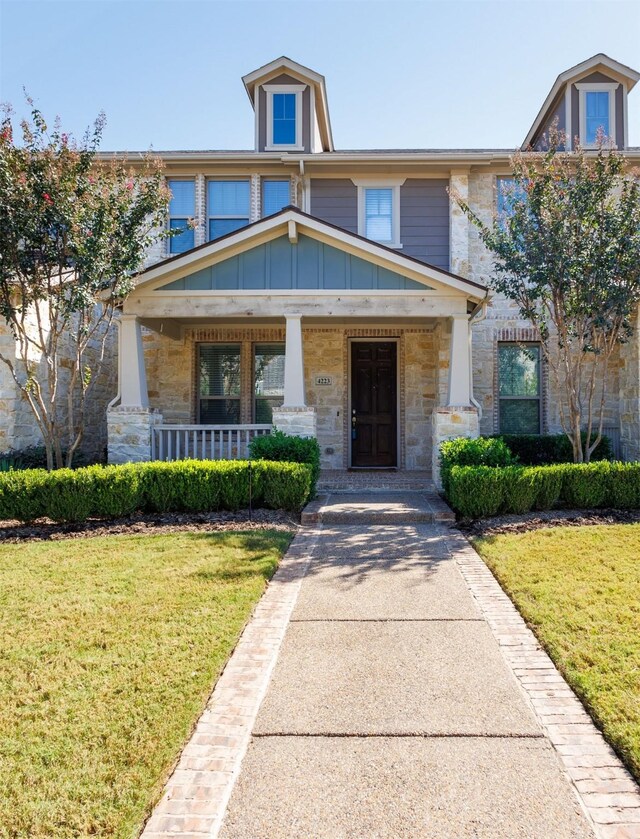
[(374, 405)]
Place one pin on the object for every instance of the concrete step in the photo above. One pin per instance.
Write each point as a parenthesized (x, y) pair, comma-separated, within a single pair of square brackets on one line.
[(376, 508)]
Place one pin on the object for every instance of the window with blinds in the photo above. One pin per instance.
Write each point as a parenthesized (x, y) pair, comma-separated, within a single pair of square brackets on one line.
[(228, 206), (275, 196), (268, 377), (219, 384), (519, 388), (378, 213), (182, 207)]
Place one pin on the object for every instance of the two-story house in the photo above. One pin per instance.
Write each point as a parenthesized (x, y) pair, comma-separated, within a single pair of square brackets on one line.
[(343, 294)]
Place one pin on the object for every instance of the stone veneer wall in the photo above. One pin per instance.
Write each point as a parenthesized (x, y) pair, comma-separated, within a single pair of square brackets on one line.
[(171, 379)]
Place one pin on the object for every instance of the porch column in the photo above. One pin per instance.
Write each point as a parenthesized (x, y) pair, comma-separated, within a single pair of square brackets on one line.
[(293, 364), (294, 417), (130, 424), (133, 376), (459, 362)]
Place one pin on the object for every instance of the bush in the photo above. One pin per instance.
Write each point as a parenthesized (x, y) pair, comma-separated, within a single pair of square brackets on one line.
[(537, 449), (548, 483), (519, 489), (585, 485), (624, 486), (280, 446), (73, 495), (476, 491), (472, 451)]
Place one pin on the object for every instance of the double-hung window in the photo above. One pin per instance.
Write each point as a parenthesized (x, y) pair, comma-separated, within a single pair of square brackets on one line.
[(275, 196), (182, 208), (519, 388), (219, 384), (379, 212), (268, 379), (597, 111), (284, 117), (228, 206), (508, 192)]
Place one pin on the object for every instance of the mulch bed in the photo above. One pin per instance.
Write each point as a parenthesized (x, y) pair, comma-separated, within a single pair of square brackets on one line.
[(149, 525), (513, 523)]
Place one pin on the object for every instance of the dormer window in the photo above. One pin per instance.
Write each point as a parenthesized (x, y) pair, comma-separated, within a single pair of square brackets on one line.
[(597, 112), (284, 117)]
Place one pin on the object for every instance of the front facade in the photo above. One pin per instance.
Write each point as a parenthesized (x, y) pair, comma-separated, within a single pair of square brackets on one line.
[(343, 293)]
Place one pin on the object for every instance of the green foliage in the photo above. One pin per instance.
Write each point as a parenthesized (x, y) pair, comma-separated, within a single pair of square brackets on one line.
[(192, 486), (537, 449), (477, 491), (472, 451), (567, 252), (281, 446)]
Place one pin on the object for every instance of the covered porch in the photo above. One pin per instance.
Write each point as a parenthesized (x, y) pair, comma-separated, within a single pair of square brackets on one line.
[(373, 359)]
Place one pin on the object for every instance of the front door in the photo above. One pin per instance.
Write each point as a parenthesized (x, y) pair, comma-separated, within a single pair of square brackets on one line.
[(374, 404)]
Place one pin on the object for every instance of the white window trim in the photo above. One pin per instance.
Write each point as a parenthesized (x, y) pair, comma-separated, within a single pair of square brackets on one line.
[(167, 181), (297, 89), (597, 87), (380, 183), (208, 213)]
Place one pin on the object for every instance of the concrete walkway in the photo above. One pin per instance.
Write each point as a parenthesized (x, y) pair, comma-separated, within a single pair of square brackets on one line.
[(392, 712)]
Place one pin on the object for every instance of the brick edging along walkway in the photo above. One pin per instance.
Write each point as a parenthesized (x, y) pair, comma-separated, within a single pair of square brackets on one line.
[(196, 796), (607, 791)]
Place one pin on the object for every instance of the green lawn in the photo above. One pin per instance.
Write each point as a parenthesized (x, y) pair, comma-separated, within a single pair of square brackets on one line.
[(579, 590), (109, 648)]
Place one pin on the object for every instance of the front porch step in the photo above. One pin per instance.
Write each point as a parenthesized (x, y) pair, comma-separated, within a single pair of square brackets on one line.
[(376, 508), (374, 480)]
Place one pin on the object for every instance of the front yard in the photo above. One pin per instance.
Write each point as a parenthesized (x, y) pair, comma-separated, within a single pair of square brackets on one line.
[(579, 590), (110, 647)]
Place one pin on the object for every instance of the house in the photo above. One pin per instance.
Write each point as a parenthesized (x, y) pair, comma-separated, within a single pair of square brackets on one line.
[(342, 293)]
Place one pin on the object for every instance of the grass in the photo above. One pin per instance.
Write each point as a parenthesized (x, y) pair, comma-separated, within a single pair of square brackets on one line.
[(110, 647), (579, 590)]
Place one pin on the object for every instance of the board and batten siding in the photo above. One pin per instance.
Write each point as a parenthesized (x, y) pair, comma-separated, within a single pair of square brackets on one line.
[(424, 214)]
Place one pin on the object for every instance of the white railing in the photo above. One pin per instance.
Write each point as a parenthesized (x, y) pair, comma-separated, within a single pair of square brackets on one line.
[(204, 442)]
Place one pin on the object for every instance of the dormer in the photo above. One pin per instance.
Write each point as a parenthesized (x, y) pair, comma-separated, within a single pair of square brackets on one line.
[(290, 104), (584, 99)]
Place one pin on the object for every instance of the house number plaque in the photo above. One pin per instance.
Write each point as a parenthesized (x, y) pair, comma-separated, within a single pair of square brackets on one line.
[(324, 380)]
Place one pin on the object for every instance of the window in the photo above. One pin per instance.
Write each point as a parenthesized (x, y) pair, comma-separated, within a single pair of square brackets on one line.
[(597, 111), (275, 196), (219, 384), (182, 207), (379, 211), (508, 192), (228, 206), (268, 378), (519, 388), (284, 116)]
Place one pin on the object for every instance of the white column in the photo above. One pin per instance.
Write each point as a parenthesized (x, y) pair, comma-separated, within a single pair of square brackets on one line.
[(133, 376), (459, 362), (293, 364)]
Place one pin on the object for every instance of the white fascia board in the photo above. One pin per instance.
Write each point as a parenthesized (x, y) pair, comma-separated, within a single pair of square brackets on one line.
[(269, 229)]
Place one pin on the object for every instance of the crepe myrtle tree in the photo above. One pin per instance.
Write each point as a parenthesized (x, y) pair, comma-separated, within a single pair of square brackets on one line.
[(567, 252), (73, 230)]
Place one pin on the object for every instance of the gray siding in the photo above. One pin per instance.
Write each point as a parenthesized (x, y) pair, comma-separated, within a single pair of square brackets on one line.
[(556, 111), (575, 107), (262, 111), (335, 200), (279, 264), (424, 220)]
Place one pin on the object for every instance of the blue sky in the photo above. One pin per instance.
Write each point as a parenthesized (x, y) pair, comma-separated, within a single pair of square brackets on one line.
[(399, 74)]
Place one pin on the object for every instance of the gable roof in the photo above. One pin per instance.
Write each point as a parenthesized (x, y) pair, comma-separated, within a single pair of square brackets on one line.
[(315, 80), (287, 221), (626, 74)]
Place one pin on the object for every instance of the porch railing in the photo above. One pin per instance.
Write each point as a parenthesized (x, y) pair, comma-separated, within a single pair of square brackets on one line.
[(204, 442)]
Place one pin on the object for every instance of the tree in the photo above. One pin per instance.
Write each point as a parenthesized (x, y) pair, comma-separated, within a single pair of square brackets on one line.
[(73, 230), (567, 252)]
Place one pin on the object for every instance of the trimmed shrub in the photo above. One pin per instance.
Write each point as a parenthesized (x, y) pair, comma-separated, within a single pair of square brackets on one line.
[(538, 449), (285, 447), (624, 486), (476, 491), (23, 494), (585, 484), (519, 489), (115, 490), (70, 495), (472, 451), (548, 483), (288, 488)]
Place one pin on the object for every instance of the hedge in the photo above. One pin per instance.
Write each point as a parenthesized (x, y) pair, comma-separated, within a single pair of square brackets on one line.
[(74, 495), (478, 491), (279, 446), (472, 451), (538, 449)]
